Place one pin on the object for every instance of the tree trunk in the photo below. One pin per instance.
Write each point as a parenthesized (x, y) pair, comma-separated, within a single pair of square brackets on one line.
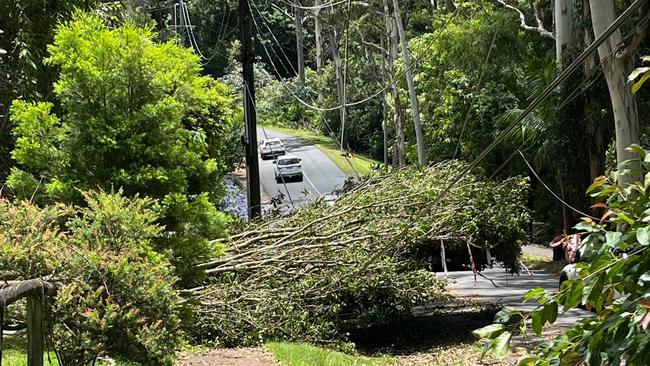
[(563, 29), (300, 42), (384, 105), (572, 117), (318, 31), (616, 69), (399, 154), (340, 88), (595, 135), (415, 107)]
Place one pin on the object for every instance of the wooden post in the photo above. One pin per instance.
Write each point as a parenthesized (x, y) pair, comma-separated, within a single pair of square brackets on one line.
[(35, 330), (2, 322)]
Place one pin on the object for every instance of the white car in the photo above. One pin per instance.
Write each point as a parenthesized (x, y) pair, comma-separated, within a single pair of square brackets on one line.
[(288, 167), (569, 272), (272, 148)]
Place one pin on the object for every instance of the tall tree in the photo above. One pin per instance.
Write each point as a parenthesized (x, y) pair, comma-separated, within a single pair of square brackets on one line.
[(318, 40), (415, 106), (300, 37), (616, 68), (399, 153), (563, 11)]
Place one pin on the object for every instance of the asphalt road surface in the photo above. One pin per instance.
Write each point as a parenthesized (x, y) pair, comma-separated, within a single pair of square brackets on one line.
[(509, 290), (321, 175)]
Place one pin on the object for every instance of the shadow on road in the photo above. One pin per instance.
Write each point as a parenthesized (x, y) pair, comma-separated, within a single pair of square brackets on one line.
[(436, 325)]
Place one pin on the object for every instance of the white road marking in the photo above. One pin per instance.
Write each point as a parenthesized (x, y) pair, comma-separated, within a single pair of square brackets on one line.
[(312, 184)]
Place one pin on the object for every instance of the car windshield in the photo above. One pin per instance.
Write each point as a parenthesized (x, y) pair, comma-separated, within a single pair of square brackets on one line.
[(273, 143), (288, 161)]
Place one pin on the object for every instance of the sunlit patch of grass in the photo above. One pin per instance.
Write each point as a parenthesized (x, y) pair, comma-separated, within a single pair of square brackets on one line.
[(302, 354), (14, 353), (538, 262)]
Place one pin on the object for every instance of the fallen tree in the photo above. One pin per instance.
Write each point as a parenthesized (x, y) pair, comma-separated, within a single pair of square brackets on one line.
[(314, 275)]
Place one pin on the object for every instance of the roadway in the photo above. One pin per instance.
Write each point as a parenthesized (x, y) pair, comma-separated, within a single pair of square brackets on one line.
[(321, 175)]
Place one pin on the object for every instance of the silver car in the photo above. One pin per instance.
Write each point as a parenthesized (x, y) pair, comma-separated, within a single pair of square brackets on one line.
[(288, 167), (271, 148)]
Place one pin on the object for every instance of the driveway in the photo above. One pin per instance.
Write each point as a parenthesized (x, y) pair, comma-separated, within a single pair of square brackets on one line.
[(321, 175), (510, 290)]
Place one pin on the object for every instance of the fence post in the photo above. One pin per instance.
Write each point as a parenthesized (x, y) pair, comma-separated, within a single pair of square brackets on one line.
[(2, 329), (35, 330)]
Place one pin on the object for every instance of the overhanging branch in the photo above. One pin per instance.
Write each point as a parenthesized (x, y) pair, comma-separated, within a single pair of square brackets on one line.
[(539, 29)]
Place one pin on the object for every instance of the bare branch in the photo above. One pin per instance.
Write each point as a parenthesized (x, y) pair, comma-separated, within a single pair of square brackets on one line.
[(539, 29)]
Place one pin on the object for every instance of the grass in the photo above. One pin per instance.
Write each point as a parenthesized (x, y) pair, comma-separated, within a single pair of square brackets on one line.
[(539, 262), (363, 165), (302, 354), (14, 353)]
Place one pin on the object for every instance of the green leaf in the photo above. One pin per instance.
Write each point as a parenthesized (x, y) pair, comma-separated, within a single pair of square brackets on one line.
[(550, 312), (489, 332), (501, 346), (639, 84), (600, 262), (583, 226), (504, 315), (538, 322), (533, 294), (574, 296), (599, 181), (612, 238), (634, 148), (643, 235), (527, 361)]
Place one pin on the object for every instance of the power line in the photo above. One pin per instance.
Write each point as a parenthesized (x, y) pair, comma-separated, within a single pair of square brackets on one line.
[(188, 27), (479, 85), (332, 134), (547, 91), (551, 191), (254, 102), (383, 88), (320, 7)]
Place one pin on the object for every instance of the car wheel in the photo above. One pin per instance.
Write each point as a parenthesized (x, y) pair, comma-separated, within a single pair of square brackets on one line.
[(563, 278)]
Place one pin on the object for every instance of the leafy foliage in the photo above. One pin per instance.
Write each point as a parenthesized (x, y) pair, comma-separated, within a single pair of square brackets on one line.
[(643, 72), (326, 269), (135, 115), (118, 294), (614, 281)]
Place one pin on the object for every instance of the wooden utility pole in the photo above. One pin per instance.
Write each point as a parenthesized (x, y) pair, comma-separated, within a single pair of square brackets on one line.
[(415, 106), (384, 103), (318, 40), (250, 115), (300, 42), (399, 157)]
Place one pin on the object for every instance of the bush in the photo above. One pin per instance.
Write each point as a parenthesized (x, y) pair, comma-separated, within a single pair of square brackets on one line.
[(134, 115), (118, 294)]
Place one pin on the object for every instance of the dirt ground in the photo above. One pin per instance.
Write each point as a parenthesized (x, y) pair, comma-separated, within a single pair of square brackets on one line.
[(257, 356)]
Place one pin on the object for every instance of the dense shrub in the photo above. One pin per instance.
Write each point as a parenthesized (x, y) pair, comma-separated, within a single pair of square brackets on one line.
[(134, 115), (118, 294)]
